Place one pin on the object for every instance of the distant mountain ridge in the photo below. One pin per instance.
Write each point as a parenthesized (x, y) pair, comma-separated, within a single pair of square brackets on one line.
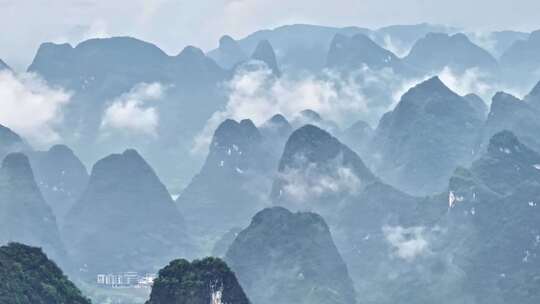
[(429, 133), (438, 50), (125, 220), (98, 72), (61, 177), (26, 217)]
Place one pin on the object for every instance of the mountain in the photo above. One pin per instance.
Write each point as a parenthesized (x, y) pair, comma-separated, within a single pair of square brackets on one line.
[(304, 48), (358, 137), (229, 53), (29, 277), (317, 172), (438, 50), (401, 38), (498, 42), (508, 112), (521, 62), (61, 178), (430, 132), (496, 200), (265, 53), (200, 282), (11, 142), (125, 220), (99, 75), (513, 162), (315, 169), (284, 257), (533, 98), (353, 53), (232, 184), (277, 127), (25, 216), (301, 47), (477, 103), (4, 66)]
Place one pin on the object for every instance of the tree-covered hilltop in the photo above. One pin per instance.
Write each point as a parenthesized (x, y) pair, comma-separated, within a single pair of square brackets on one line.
[(28, 276), (200, 282)]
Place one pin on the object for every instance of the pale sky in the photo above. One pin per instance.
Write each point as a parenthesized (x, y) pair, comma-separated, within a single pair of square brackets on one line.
[(173, 24)]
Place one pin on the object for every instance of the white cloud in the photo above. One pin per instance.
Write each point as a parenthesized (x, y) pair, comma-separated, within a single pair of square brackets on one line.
[(130, 112), (483, 39), (408, 243), (472, 80), (30, 107), (256, 94), (395, 46), (307, 182)]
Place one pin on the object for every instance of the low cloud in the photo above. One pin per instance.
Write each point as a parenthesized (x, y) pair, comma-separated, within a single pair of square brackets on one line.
[(395, 46), (307, 182), (31, 108), (407, 243), (131, 113), (365, 94), (472, 80), (255, 93)]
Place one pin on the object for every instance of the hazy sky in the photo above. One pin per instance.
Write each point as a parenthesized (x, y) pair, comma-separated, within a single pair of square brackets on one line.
[(172, 24)]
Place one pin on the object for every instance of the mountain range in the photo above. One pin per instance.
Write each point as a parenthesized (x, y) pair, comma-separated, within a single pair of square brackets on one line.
[(365, 166)]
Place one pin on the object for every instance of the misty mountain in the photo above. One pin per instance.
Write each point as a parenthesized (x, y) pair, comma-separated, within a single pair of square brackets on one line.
[(514, 163), (27, 276), (402, 37), (352, 53), (100, 74), (284, 257), (229, 53), (25, 216), (508, 112), (497, 197), (521, 62), (316, 169), (277, 127), (200, 282), (358, 137), (11, 142), (438, 50), (533, 98), (478, 104), (430, 132), (125, 219), (299, 47), (265, 53), (311, 117), (236, 177), (4, 66), (304, 47), (501, 41), (61, 178), (319, 173)]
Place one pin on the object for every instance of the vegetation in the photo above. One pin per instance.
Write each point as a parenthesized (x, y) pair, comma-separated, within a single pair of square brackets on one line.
[(201, 282), (28, 276)]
